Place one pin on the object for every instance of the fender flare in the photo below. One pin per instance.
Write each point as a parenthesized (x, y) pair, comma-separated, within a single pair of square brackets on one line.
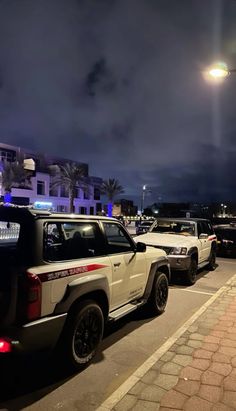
[(155, 266), (83, 286), (192, 250)]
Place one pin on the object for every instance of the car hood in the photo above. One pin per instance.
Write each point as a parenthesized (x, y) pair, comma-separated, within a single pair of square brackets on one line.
[(167, 240)]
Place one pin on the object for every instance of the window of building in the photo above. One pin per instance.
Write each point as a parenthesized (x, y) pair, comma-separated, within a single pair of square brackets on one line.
[(91, 211), (62, 209), (41, 187), (77, 192), (83, 210), (7, 155), (96, 194), (98, 208), (53, 192), (86, 194), (64, 191)]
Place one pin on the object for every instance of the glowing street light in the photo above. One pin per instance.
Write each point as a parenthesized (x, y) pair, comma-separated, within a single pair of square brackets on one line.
[(218, 71), (143, 197), (223, 210)]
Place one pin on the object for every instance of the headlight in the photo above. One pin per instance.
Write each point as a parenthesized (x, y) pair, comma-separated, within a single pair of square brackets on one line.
[(178, 251)]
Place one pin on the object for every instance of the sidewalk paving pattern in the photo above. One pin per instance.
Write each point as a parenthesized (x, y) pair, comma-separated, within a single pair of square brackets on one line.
[(198, 372)]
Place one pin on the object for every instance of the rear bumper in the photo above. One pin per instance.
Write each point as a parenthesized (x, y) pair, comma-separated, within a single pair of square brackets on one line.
[(36, 335), (180, 262)]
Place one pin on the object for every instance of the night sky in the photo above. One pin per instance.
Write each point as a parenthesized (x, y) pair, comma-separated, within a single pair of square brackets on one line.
[(118, 84)]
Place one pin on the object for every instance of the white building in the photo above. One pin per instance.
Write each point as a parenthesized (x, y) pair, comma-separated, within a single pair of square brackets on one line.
[(40, 193)]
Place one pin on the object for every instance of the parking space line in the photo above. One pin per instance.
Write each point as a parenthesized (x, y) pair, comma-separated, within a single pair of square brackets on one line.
[(224, 260), (195, 291)]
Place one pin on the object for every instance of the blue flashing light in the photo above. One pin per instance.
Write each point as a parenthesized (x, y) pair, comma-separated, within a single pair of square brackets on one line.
[(7, 198), (109, 209)]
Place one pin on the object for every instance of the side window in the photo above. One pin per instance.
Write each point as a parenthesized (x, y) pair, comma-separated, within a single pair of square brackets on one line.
[(72, 240), (117, 239), (199, 229), (207, 229), (210, 228)]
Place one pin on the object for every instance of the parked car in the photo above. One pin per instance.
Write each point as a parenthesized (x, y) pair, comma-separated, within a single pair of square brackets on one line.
[(226, 240), (143, 226), (63, 276), (189, 243)]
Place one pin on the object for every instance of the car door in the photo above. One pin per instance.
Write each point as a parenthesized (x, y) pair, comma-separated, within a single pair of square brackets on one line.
[(202, 242), (205, 242), (128, 267)]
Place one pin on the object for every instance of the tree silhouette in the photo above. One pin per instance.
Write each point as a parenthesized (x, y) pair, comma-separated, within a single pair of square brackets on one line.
[(111, 188), (71, 176)]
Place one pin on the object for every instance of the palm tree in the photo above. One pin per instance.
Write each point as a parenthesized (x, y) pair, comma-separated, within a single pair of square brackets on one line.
[(14, 175), (70, 176), (111, 188)]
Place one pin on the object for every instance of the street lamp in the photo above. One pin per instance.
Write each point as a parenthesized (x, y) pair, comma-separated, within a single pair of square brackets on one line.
[(143, 197), (219, 71), (223, 210)]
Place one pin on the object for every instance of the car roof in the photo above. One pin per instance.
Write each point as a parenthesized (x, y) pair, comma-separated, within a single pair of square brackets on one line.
[(225, 227), (183, 219), (16, 213)]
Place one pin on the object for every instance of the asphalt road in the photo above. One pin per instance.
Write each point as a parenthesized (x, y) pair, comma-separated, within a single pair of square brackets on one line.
[(37, 383)]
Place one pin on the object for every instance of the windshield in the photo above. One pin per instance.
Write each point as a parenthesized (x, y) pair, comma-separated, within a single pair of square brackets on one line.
[(174, 227)]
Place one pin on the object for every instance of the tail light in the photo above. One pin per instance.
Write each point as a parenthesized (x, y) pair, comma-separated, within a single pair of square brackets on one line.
[(34, 295), (5, 345)]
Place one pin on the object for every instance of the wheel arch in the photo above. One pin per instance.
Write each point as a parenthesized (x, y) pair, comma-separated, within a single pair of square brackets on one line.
[(193, 253), (162, 266), (98, 296), (94, 288)]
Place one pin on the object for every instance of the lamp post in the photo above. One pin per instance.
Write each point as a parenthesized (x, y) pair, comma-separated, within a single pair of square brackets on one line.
[(223, 210), (143, 198)]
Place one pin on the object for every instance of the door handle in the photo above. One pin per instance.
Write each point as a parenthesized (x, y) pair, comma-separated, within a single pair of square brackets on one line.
[(117, 264)]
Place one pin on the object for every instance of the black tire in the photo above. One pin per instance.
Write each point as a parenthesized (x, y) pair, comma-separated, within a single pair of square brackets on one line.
[(82, 335), (212, 260), (191, 273), (159, 294)]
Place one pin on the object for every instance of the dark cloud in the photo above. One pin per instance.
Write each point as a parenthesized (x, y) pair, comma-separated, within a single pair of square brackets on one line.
[(118, 84)]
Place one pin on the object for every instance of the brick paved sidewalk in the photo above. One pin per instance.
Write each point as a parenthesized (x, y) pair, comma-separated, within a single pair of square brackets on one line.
[(198, 372)]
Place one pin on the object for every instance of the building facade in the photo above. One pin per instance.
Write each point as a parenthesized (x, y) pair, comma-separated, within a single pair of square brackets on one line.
[(39, 192)]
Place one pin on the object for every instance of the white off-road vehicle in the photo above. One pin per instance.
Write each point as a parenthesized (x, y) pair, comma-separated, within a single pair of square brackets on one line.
[(63, 276), (189, 243)]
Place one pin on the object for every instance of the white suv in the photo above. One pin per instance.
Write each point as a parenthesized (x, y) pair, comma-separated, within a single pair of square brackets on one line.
[(63, 276), (189, 244)]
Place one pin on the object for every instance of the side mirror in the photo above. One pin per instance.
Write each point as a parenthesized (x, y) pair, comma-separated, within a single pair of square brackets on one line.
[(140, 247), (203, 236)]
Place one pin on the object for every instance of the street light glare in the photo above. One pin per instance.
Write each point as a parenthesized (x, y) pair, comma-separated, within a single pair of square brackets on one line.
[(218, 73)]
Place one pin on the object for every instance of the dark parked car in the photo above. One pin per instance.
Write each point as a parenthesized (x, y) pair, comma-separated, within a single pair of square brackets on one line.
[(143, 226), (226, 240)]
